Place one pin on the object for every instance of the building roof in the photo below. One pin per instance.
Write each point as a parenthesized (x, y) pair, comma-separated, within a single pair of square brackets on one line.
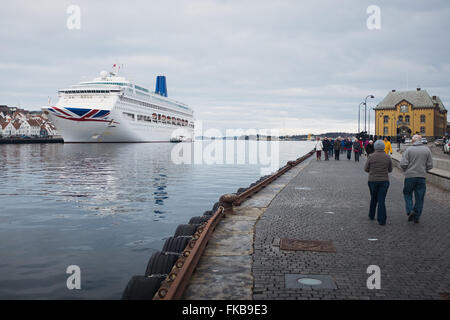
[(33, 123), (4, 124), (418, 99), (17, 124)]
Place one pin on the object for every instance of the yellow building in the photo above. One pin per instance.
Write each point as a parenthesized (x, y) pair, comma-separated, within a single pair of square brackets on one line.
[(410, 112)]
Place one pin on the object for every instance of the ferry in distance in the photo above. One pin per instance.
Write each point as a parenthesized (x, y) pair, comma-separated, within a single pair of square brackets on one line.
[(112, 109)]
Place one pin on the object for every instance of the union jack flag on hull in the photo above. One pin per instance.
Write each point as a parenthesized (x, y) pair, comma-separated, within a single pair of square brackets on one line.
[(82, 114)]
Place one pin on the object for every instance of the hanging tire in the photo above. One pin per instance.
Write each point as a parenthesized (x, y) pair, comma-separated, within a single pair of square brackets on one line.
[(198, 220), (142, 288), (185, 230), (241, 190), (175, 244), (160, 263), (208, 213)]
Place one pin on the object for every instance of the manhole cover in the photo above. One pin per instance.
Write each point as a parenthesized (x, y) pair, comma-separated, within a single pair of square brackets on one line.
[(309, 281), (307, 245)]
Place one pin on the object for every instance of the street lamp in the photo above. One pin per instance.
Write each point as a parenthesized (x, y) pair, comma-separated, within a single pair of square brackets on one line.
[(365, 109), (359, 116), (369, 120)]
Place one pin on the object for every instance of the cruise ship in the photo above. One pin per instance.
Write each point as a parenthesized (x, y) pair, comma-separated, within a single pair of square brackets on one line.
[(111, 108)]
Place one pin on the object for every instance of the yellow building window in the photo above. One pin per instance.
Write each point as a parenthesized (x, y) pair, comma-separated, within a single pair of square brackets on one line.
[(422, 129), (422, 118)]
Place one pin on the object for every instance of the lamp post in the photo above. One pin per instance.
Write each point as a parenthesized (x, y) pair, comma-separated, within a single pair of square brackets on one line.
[(369, 120), (359, 116), (365, 109)]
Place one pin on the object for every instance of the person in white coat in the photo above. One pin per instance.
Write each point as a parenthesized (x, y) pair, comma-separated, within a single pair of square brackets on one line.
[(319, 147)]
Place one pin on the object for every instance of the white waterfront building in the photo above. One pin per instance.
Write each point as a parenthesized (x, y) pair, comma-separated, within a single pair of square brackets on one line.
[(111, 108)]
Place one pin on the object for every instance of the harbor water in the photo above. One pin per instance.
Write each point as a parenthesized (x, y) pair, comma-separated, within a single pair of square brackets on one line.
[(103, 207)]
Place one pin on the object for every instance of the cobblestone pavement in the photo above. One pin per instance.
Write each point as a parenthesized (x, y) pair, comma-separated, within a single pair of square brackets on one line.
[(328, 200)]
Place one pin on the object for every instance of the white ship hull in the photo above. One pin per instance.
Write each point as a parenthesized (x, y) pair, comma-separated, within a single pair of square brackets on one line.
[(119, 130), (112, 109)]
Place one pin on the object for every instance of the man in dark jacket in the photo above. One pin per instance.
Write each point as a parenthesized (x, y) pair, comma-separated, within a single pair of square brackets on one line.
[(337, 148), (348, 147), (378, 164), (326, 147)]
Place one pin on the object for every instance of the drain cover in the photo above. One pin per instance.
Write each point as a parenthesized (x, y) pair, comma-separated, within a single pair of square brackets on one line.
[(307, 245), (309, 281)]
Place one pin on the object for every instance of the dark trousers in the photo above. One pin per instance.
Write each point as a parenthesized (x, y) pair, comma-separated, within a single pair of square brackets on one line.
[(357, 156), (378, 191), (331, 152), (336, 154), (418, 186), (326, 154), (349, 154)]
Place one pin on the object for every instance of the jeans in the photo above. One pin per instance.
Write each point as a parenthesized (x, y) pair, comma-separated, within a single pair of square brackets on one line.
[(326, 154), (378, 191), (349, 154), (336, 154), (357, 156), (419, 187)]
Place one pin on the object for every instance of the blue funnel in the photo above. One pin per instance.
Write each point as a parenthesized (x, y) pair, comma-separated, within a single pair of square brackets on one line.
[(161, 87)]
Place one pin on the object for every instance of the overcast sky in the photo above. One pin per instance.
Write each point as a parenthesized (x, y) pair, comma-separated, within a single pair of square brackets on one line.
[(299, 65)]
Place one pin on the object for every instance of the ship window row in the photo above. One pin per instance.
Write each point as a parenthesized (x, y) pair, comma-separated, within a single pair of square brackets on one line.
[(160, 118), (88, 91), (146, 104)]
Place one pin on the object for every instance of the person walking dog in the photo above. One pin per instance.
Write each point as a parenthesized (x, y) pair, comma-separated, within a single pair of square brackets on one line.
[(378, 165), (416, 161)]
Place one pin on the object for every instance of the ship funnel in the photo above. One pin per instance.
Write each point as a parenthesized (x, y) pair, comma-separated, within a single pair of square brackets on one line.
[(161, 87)]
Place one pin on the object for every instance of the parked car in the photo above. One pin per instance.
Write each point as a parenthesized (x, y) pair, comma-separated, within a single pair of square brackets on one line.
[(424, 140)]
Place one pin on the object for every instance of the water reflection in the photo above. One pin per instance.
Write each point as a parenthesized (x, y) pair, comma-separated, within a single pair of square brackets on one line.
[(88, 204)]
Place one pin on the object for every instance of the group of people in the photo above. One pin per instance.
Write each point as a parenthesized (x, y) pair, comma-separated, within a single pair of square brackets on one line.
[(347, 145), (415, 162)]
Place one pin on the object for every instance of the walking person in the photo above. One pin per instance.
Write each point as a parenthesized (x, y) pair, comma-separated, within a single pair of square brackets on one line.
[(416, 161), (348, 148), (319, 147), (331, 147), (387, 146), (337, 148), (357, 149), (369, 148), (326, 147), (378, 165)]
